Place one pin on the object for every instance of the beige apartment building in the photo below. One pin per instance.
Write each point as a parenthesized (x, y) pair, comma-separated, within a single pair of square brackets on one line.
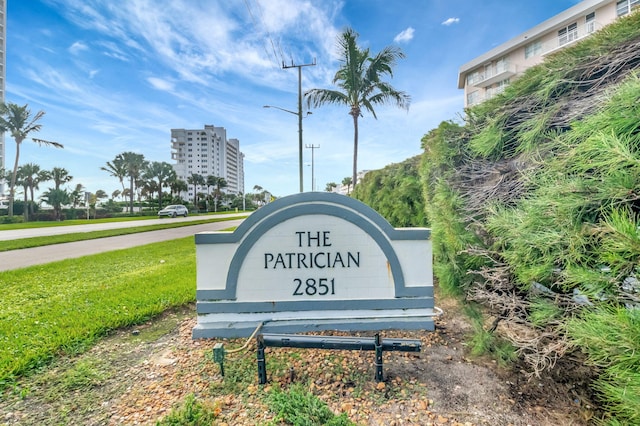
[(489, 74)]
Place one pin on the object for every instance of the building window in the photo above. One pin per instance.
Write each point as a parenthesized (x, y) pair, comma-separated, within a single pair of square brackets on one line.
[(624, 7), (502, 65), (473, 78), (473, 97), (591, 22), (532, 49), (568, 34)]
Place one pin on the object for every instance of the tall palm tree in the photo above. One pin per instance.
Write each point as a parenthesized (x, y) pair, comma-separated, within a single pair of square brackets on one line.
[(77, 195), (161, 173), (218, 183), (18, 121), (116, 168), (30, 176), (60, 176), (177, 186), (196, 180), (347, 182), (134, 164), (360, 85)]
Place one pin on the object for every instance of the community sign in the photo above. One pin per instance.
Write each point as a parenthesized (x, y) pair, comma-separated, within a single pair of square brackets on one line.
[(311, 262)]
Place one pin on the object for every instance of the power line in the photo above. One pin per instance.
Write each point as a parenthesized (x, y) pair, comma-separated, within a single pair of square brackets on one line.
[(259, 27), (273, 47)]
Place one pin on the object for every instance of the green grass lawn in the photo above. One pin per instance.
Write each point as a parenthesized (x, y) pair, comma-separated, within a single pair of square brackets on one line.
[(64, 307)]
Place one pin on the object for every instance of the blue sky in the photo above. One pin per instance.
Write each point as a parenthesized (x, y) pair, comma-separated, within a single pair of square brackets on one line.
[(115, 76)]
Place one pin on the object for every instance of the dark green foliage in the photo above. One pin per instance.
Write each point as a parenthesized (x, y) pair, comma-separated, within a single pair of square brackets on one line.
[(611, 339), (534, 205), (396, 193)]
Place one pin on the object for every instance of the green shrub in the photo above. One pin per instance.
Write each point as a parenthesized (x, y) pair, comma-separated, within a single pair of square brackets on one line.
[(192, 413), (611, 339), (296, 406)]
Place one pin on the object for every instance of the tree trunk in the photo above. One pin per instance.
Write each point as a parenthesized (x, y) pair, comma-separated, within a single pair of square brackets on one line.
[(131, 195), (354, 178), (31, 208), (12, 186), (25, 212)]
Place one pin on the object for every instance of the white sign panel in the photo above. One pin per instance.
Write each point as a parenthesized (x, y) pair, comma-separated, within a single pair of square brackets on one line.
[(313, 261)]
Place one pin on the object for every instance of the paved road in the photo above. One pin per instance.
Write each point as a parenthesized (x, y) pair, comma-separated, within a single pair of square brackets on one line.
[(6, 235), (15, 259)]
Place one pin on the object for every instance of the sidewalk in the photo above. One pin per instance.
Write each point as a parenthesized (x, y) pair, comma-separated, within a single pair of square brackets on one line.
[(15, 259)]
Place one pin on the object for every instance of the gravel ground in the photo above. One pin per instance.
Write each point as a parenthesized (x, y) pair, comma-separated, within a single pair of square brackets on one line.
[(137, 376)]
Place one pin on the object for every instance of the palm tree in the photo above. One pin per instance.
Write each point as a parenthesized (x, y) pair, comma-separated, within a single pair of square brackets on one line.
[(330, 186), (18, 121), (116, 168), (126, 193), (347, 182), (163, 173), (211, 182), (196, 180), (360, 84), (177, 186), (133, 165), (30, 177), (60, 176), (77, 195), (219, 183), (100, 194), (56, 198)]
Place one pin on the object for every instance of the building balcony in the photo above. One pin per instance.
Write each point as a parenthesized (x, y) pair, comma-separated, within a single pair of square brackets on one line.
[(494, 75)]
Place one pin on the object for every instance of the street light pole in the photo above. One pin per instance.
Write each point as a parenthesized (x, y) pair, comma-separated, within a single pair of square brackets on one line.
[(300, 126), (299, 112)]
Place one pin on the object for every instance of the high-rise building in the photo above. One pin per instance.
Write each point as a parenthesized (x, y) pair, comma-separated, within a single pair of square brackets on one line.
[(207, 152), (489, 74), (3, 61)]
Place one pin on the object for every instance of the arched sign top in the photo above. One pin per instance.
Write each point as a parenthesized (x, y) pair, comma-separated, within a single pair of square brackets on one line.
[(308, 198)]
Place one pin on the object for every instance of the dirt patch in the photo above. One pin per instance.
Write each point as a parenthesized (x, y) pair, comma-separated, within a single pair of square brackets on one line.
[(136, 376)]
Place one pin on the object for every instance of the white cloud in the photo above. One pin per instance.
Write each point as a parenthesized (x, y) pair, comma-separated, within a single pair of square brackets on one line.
[(78, 47), (451, 21), (404, 36), (160, 84)]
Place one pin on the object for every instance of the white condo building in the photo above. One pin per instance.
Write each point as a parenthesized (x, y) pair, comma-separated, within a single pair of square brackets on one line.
[(207, 152), (489, 74)]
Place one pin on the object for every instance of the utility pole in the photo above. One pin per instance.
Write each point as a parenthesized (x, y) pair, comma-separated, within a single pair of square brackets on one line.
[(299, 113), (313, 176)]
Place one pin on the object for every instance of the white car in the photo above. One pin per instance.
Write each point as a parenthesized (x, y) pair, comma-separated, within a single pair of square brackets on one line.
[(174, 210)]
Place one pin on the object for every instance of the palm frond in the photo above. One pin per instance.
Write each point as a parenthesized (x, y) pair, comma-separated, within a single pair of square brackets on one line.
[(48, 143)]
